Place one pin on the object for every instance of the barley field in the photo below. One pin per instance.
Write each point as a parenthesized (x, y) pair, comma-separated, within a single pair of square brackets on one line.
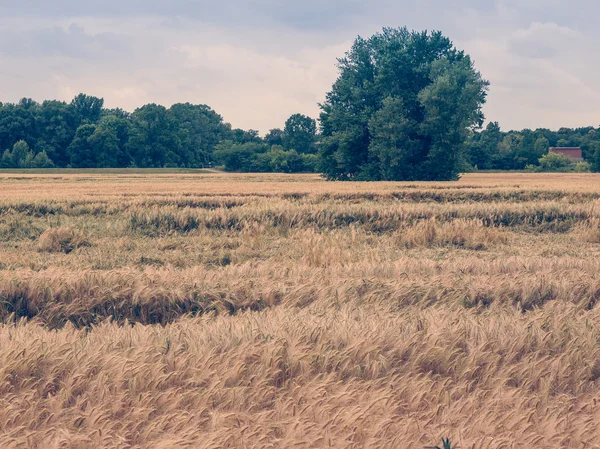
[(204, 310)]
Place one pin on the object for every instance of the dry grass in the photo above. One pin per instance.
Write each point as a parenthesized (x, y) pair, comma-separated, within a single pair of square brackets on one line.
[(246, 311), (467, 234), (62, 240)]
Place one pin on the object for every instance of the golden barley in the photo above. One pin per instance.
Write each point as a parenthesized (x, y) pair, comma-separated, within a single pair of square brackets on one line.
[(279, 311)]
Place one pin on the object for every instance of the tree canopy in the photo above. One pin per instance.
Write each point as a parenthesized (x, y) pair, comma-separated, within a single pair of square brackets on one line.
[(401, 109), (300, 133), (85, 134)]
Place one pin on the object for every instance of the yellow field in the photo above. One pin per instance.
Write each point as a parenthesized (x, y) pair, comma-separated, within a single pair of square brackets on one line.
[(272, 311)]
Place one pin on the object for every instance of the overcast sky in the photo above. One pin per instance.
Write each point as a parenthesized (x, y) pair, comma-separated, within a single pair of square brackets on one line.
[(258, 61)]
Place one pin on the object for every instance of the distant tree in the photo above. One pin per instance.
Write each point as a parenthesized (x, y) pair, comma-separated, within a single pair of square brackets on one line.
[(525, 152), (595, 160), (199, 130), (111, 139), (541, 146), (482, 147), (401, 109), (115, 112), (274, 137), (18, 122), (105, 145), (310, 163), (242, 136), (508, 152), (588, 142), (238, 156), (81, 152), (153, 140), (6, 159), (41, 160), (56, 123), (300, 134), (27, 104), (21, 156), (87, 108), (283, 161)]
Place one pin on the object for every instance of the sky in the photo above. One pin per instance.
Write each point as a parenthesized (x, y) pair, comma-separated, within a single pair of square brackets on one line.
[(256, 62)]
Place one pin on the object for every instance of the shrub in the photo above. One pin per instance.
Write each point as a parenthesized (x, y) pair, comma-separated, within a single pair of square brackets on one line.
[(583, 167), (554, 162), (22, 157), (62, 240)]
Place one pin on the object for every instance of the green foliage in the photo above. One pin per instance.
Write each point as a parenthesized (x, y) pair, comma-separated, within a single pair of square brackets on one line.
[(6, 159), (595, 159), (492, 149), (553, 162), (153, 140), (583, 167), (300, 134), (237, 156), (80, 151), (279, 160), (21, 156), (84, 134), (56, 122), (446, 444), (274, 137), (253, 157), (199, 129), (110, 141), (87, 108), (242, 136), (384, 119), (41, 160), (310, 163), (401, 109)]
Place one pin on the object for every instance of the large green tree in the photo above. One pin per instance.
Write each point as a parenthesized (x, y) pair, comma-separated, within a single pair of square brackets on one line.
[(401, 109)]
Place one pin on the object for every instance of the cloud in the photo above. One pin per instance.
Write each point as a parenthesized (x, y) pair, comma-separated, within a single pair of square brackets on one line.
[(70, 42), (258, 61), (308, 14), (544, 41)]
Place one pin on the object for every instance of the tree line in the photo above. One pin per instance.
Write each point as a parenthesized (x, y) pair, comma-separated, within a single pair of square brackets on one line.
[(493, 149), (85, 134), (406, 105)]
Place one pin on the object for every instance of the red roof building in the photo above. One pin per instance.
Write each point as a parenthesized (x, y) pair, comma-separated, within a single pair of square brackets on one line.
[(573, 153)]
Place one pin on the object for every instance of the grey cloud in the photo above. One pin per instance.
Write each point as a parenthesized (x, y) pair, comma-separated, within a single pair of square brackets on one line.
[(257, 61), (71, 42), (308, 14), (544, 40)]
